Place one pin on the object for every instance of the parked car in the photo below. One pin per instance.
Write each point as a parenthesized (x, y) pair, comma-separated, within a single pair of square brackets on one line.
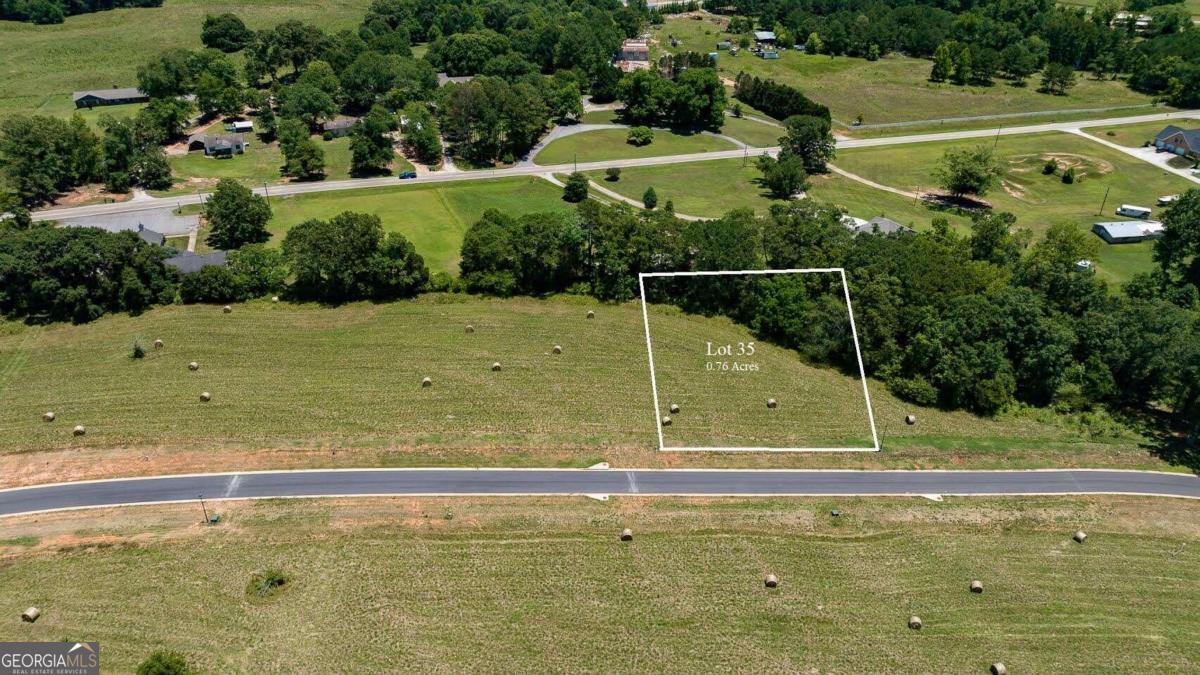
[(408, 174)]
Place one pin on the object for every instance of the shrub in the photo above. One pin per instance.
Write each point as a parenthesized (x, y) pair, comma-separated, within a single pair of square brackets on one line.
[(164, 663), (650, 198), (736, 109), (214, 284), (267, 583), (612, 174), (916, 390), (138, 350), (1050, 168), (640, 136), (576, 189), (1068, 176)]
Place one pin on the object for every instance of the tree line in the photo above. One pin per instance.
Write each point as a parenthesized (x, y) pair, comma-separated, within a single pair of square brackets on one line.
[(56, 11)]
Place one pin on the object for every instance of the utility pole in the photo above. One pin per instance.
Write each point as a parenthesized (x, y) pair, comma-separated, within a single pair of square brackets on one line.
[(266, 192), (577, 162), (1104, 201), (203, 508), (997, 141)]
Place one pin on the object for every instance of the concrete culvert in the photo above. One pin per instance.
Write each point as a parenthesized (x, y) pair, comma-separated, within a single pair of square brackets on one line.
[(557, 349), (770, 581), (914, 622), (470, 329), (205, 396), (591, 314), (427, 382), (910, 419), (772, 403), (666, 420), (30, 615), (1080, 536), (496, 367), (47, 416), (674, 408), (193, 366), (627, 534), (227, 309), (977, 586), (998, 669), (79, 430), (158, 344)]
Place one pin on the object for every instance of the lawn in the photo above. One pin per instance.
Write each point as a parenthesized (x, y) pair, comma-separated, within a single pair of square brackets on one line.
[(290, 383), (1037, 200), (753, 133), (502, 584), (719, 186), (432, 216), (41, 65), (604, 144), (1193, 5), (1137, 135), (892, 89), (194, 172)]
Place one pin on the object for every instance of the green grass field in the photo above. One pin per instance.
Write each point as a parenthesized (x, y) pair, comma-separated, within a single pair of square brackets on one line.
[(604, 144), (194, 172), (716, 187), (485, 585), (892, 89), (1137, 135), (432, 216), (1193, 5), (753, 133), (41, 65), (291, 382), (1038, 200)]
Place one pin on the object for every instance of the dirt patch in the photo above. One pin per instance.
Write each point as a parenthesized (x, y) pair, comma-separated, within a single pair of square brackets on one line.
[(90, 194), (1084, 165), (1013, 189)]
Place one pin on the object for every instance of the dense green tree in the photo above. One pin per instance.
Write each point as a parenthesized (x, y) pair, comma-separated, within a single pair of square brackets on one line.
[(783, 176), (943, 64), (306, 102), (236, 216), (650, 198), (43, 156), (302, 157), (371, 144), (811, 139), (1057, 78), (1178, 251), (348, 257), (969, 171), (421, 134), (1017, 62), (225, 32)]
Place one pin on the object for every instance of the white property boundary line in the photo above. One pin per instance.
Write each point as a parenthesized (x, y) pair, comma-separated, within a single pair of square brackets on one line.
[(862, 374)]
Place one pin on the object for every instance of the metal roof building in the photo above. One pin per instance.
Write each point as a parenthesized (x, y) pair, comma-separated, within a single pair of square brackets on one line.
[(1128, 231)]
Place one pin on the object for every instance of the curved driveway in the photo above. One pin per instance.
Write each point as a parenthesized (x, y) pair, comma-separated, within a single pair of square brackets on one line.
[(531, 482)]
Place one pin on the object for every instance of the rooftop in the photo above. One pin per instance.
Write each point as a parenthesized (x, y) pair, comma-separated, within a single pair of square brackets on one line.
[(111, 93), (187, 262)]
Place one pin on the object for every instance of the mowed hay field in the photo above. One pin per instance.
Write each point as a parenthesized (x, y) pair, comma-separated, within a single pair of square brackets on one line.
[(892, 89), (606, 144), (310, 386), (544, 585), (41, 65)]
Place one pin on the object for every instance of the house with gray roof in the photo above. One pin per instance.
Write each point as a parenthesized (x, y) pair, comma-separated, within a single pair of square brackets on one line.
[(1128, 231), (339, 126), (150, 236), (188, 263), (1179, 141), (217, 145), (161, 221), (113, 96)]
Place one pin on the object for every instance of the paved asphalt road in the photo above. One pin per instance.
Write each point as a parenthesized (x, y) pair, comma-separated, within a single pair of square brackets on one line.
[(527, 170), (362, 482)]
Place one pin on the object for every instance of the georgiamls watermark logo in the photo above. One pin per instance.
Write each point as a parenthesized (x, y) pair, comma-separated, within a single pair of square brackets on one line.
[(49, 658)]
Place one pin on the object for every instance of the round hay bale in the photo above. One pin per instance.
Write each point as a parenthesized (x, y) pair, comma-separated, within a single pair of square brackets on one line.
[(772, 403), (30, 615), (591, 314), (998, 669), (836, 513), (427, 382), (977, 586), (770, 581), (274, 298), (674, 408), (193, 366), (557, 349), (470, 329), (627, 534), (227, 309), (914, 622), (158, 344), (910, 419), (205, 396), (496, 367), (1080, 536), (79, 430), (666, 420), (48, 416)]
